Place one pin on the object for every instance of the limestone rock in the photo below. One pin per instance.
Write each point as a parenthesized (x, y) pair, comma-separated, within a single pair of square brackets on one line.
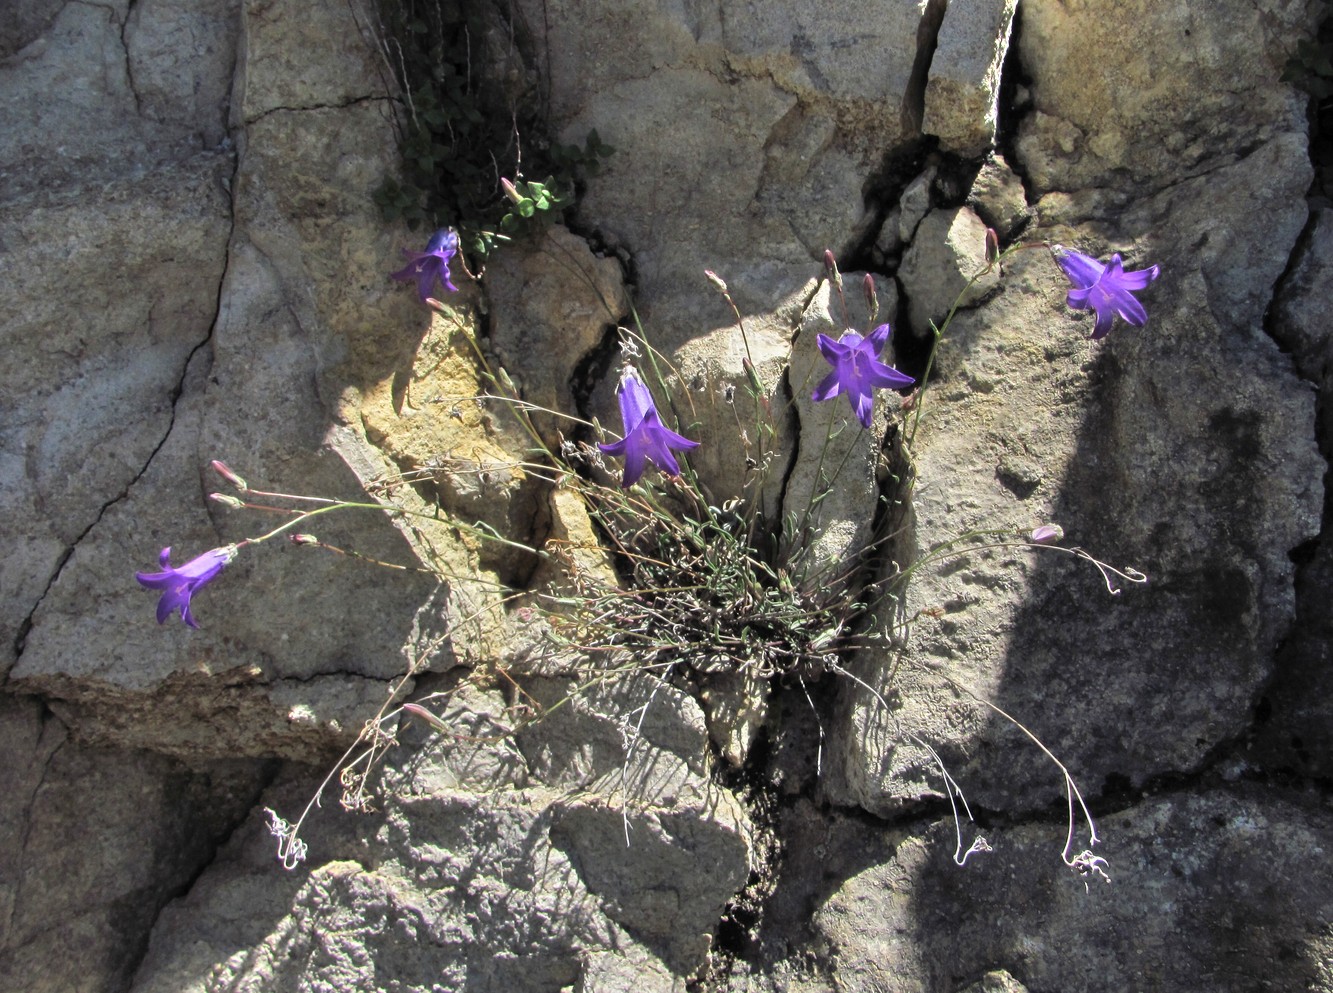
[(95, 842), (998, 198), (1212, 885), (472, 880), (1021, 391), (553, 303), (948, 249), (962, 91), (1164, 90)]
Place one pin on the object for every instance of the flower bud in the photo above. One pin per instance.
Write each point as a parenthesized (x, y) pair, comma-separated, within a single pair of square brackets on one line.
[(872, 298), (752, 376), (510, 191), (716, 280), (831, 267), (992, 247), (227, 500), (303, 539), (1046, 534), (222, 470)]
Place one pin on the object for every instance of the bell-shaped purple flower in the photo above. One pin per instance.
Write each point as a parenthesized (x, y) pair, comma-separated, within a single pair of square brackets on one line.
[(178, 585), (431, 265), (857, 370), (1105, 289), (646, 439)]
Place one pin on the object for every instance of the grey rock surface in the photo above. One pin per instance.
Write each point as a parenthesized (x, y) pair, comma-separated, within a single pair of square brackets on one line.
[(477, 877), (191, 267), (963, 89)]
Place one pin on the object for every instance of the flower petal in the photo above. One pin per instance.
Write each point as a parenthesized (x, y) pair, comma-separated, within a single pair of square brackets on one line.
[(828, 388), (1139, 278), (1129, 308), (864, 405), (879, 337), (1105, 318), (1083, 270), (834, 352), (887, 377)]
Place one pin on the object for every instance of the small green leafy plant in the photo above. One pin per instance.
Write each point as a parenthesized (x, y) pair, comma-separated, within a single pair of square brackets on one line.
[(461, 137)]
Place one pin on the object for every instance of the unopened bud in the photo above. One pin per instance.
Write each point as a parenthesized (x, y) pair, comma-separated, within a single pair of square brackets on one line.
[(227, 500), (1046, 534), (716, 280), (752, 376), (511, 191), (872, 298), (416, 710), (303, 539), (831, 267), (992, 246), (225, 472)]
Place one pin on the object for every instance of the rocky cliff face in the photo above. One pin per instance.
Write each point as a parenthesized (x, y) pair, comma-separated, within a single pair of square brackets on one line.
[(192, 268)]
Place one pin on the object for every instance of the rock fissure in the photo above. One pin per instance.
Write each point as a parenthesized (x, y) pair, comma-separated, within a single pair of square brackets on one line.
[(359, 101)]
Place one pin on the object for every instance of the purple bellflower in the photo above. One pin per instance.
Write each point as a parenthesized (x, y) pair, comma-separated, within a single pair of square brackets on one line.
[(857, 370), (1105, 289), (646, 439), (178, 585), (432, 264)]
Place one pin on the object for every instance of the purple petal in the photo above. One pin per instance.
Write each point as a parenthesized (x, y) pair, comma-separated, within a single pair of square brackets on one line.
[(635, 400), (635, 463), (834, 352), (880, 337), (1139, 278), (828, 388), (1083, 270), (1129, 308), (864, 405), (1105, 318), (887, 377), (444, 242)]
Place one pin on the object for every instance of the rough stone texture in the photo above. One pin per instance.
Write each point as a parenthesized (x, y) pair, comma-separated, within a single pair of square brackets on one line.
[(963, 91), (1029, 424), (95, 843), (999, 199), (1297, 735), (948, 248), (1129, 126), (1209, 891), (497, 865), (193, 269), (554, 304)]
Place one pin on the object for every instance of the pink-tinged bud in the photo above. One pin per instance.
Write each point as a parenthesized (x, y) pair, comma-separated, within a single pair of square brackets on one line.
[(416, 710), (303, 539), (831, 267), (510, 191), (1046, 534), (872, 298), (716, 280), (992, 246), (222, 470), (227, 500)]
